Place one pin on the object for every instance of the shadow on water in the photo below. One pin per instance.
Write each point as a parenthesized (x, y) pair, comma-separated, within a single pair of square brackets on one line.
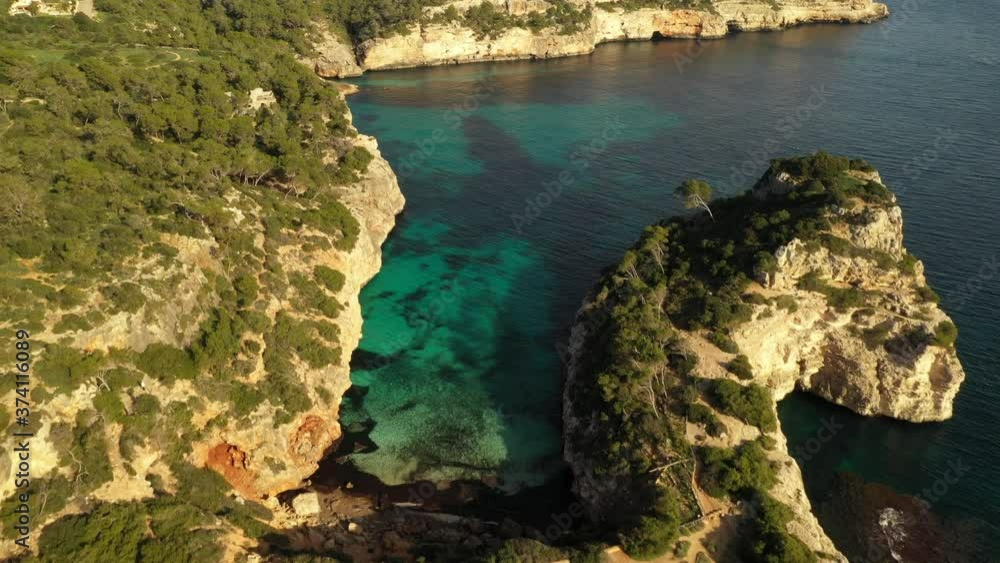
[(532, 506)]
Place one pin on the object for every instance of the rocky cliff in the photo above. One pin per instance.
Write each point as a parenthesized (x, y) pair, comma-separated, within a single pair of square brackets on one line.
[(439, 41), (804, 284), (115, 434)]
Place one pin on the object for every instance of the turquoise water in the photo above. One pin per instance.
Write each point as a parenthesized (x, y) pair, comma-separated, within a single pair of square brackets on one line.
[(524, 180)]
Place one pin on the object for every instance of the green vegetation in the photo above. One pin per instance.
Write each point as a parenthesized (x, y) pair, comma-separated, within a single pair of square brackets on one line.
[(750, 403), (723, 342), (489, 21), (737, 472), (166, 363), (637, 380), (656, 530), (184, 527), (329, 278), (740, 367), (927, 294), (681, 549), (840, 298), (118, 136), (768, 539), (945, 334), (633, 5)]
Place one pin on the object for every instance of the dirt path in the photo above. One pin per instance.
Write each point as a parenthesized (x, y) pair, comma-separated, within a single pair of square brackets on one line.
[(177, 57)]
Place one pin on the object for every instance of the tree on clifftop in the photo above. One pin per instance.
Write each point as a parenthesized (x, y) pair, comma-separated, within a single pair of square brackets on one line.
[(696, 193)]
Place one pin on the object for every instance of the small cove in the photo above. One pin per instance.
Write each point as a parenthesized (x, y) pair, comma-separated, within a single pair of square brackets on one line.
[(460, 363)]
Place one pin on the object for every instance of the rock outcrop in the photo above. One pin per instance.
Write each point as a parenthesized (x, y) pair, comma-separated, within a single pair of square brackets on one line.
[(454, 42), (274, 453), (843, 312), (374, 201)]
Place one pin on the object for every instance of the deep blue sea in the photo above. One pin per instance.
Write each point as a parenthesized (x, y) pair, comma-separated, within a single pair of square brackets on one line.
[(525, 179)]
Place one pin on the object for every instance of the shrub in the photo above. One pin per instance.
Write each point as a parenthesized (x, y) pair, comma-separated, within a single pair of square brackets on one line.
[(700, 414), (219, 341), (787, 302), (769, 539), (90, 538), (523, 550), (681, 549), (71, 323), (166, 363), (330, 279), (876, 336), (927, 294), (945, 334), (908, 264), (737, 472), (723, 342), (247, 288), (751, 404), (126, 297), (767, 442), (740, 367), (656, 531), (63, 369)]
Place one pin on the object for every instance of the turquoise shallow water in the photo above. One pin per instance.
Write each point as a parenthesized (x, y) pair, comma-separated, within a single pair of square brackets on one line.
[(524, 180)]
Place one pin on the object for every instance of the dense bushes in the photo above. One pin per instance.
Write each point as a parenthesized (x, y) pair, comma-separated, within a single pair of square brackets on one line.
[(488, 21), (657, 528), (737, 472), (185, 527), (751, 403), (740, 367), (331, 279), (166, 363), (768, 540)]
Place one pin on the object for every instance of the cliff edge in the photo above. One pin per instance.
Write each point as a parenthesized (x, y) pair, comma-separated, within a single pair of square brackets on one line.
[(470, 31), (680, 353)]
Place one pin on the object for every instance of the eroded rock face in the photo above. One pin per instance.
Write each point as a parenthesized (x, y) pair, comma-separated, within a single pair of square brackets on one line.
[(440, 43), (301, 444), (877, 357), (334, 57), (273, 453)]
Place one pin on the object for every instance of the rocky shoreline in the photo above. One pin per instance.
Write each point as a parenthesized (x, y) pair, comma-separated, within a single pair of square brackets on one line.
[(454, 43), (876, 359)]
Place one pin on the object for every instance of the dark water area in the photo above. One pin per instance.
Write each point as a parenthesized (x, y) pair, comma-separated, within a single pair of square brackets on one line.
[(524, 180)]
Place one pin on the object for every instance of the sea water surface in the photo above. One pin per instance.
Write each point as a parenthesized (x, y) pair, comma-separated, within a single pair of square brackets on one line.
[(525, 179)]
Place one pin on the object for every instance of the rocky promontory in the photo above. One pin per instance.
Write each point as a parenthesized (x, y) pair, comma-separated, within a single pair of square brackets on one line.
[(469, 31), (682, 349)]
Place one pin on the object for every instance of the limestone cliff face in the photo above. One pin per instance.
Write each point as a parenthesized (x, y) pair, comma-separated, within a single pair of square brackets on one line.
[(266, 456), (877, 358), (244, 454), (440, 43)]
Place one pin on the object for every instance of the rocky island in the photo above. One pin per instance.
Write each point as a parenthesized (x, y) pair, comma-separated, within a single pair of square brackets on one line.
[(683, 348)]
